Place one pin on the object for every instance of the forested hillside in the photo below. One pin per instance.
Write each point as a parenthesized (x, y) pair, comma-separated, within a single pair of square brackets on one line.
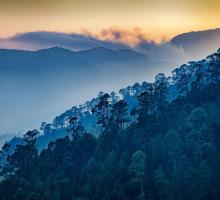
[(160, 143)]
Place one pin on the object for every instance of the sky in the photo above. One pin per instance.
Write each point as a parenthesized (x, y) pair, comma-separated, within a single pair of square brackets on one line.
[(158, 19)]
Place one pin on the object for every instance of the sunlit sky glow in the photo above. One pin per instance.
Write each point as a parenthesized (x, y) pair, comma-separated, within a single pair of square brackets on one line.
[(158, 19)]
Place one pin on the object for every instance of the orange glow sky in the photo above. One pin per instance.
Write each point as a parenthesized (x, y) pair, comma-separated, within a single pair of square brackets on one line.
[(157, 18)]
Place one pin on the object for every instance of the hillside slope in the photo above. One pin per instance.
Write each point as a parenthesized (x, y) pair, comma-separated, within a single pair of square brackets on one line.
[(157, 141)]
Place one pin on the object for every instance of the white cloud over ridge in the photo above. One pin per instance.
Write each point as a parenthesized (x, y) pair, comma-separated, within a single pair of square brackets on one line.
[(109, 38)]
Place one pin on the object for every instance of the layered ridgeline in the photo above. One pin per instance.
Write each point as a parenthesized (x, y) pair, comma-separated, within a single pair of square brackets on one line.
[(150, 141), (184, 75), (41, 81)]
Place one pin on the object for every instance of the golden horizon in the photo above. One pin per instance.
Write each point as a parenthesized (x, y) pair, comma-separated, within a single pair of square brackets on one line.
[(156, 20)]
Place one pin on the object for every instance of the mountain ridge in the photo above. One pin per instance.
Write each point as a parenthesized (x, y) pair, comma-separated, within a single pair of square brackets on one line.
[(129, 94)]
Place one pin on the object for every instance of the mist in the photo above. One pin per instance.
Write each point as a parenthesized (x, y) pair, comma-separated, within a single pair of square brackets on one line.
[(36, 86)]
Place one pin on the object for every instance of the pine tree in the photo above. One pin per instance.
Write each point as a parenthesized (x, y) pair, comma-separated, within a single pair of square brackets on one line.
[(75, 127), (144, 104), (120, 114), (182, 76), (137, 168), (25, 155), (161, 91), (102, 111), (7, 167)]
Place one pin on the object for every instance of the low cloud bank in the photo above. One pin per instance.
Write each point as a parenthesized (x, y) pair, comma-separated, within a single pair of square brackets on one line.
[(111, 38)]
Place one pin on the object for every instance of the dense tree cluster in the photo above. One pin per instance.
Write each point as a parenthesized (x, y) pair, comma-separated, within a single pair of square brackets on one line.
[(171, 151)]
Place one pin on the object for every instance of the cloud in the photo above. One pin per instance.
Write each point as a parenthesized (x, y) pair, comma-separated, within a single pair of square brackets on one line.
[(110, 38), (43, 39), (132, 36), (113, 38), (164, 51)]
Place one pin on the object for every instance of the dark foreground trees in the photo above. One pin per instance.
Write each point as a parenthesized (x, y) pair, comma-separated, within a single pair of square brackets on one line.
[(180, 161)]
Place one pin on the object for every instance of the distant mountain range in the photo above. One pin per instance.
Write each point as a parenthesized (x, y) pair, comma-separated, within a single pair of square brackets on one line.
[(63, 67), (60, 58), (195, 44), (198, 43), (41, 82), (36, 75)]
